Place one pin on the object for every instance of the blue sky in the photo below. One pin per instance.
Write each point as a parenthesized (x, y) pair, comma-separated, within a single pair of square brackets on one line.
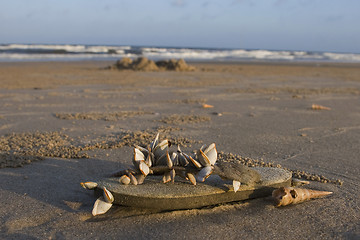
[(314, 25)]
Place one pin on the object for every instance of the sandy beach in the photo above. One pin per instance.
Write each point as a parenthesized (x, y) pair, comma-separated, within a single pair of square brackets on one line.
[(62, 123)]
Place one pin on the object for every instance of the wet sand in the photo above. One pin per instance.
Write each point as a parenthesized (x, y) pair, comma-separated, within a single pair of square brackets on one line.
[(63, 123)]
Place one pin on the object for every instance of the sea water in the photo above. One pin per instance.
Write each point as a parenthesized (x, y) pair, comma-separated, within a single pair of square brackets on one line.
[(66, 52)]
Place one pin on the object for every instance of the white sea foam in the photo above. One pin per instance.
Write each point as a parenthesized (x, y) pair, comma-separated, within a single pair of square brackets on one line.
[(67, 48), (38, 52)]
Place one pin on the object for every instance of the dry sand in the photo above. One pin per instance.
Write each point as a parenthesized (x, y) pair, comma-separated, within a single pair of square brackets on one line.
[(70, 122)]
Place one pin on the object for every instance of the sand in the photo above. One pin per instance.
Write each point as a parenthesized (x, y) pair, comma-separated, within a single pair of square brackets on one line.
[(63, 123)]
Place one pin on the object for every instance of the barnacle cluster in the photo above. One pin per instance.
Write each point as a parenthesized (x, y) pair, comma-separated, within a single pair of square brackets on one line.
[(158, 159)]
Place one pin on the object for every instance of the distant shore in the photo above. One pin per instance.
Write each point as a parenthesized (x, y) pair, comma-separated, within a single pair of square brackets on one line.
[(38, 74)]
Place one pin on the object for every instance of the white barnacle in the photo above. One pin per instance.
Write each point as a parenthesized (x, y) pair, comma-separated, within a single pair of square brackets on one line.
[(101, 206), (208, 156), (89, 185), (204, 173), (236, 185)]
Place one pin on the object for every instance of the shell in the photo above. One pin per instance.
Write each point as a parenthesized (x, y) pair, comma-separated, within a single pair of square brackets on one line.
[(161, 148), (165, 160), (166, 177), (149, 159), (89, 185), (207, 105), (142, 149), (319, 107), (204, 173), (193, 161), (208, 156), (211, 153), (100, 206), (138, 156), (203, 159), (191, 178), (175, 159), (154, 143), (108, 197), (297, 182), (181, 158), (288, 195), (144, 168), (236, 185), (172, 175), (124, 180), (133, 179), (140, 178)]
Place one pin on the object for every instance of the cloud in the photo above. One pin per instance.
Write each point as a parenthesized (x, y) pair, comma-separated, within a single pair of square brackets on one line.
[(178, 3), (334, 18), (280, 2), (247, 2)]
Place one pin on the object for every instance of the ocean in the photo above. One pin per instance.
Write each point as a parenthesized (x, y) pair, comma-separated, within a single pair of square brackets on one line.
[(48, 52)]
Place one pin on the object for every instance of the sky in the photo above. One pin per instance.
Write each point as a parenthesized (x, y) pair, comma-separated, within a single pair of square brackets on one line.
[(310, 25)]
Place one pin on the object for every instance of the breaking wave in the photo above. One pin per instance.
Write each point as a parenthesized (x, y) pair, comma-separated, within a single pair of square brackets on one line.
[(45, 52)]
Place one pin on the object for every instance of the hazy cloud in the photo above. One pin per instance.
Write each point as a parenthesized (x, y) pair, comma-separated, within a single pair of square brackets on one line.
[(334, 18), (178, 3), (249, 2)]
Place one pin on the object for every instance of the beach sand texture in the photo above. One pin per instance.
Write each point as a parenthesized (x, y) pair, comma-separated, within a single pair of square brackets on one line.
[(64, 123)]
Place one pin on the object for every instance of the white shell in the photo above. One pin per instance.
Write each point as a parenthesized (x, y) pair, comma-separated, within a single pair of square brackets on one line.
[(298, 182), (203, 159), (193, 161), (191, 178), (169, 162), (172, 175), (133, 179), (100, 206), (89, 185), (236, 185), (138, 156), (209, 155), (144, 168), (108, 197), (140, 179), (161, 148), (143, 150), (155, 142), (147, 155), (165, 160), (203, 147), (149, 159), (175, 159), (181, 158), (167, 177), (204, 173), (124, 180)]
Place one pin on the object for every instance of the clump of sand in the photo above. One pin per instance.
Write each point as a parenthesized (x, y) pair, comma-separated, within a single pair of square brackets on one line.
[(144, 64), (184, 119), (111, 116)]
